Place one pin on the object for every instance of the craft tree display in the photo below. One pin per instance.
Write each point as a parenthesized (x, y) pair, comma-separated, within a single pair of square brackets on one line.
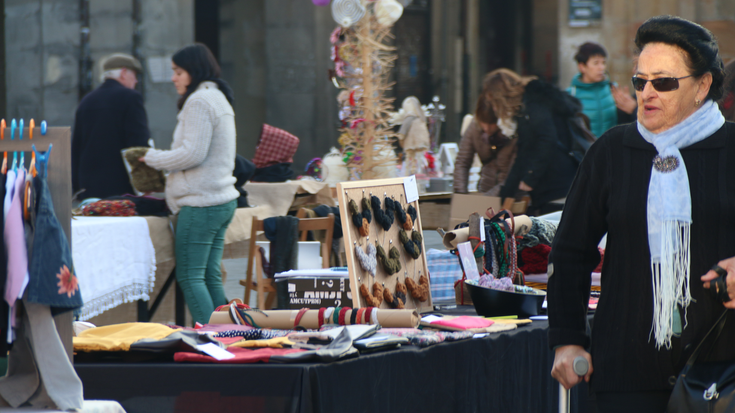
[(362, 62)]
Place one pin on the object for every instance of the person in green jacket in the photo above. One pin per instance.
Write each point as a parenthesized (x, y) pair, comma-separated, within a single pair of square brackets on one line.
[(604, 104)]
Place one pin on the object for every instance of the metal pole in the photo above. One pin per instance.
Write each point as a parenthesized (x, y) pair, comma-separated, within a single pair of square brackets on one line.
[(581, 367)]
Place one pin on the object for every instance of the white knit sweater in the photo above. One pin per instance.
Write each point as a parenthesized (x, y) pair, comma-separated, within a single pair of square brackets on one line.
[(202, 155)]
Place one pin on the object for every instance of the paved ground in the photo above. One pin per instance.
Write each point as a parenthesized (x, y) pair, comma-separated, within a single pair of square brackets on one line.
[(236, 268)]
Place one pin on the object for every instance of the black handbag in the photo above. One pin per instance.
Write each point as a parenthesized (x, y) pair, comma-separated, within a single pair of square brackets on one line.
[(705, 387)]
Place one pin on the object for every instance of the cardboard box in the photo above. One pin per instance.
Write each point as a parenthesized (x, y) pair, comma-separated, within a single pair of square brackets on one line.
[(317, 292), (463, 205)]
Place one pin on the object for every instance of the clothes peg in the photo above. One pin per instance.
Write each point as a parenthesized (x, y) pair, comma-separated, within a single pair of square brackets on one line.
[(32, 169), (4, 168), (13, 125), (20, 137), (44, 127)]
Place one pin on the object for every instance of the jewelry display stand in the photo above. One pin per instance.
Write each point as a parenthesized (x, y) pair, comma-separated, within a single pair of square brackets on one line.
[(410, 267)]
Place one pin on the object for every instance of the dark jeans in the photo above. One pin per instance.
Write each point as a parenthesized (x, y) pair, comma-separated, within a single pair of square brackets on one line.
[(200, 240)]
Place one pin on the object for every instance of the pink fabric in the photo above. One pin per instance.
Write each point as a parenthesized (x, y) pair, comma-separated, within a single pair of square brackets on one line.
[(465, 322), (15, 244), (242, 355)]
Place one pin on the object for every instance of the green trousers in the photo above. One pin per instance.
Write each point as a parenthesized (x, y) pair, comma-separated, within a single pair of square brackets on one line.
[(200, 240)]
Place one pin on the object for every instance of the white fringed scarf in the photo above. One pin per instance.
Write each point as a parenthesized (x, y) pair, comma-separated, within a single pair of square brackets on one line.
[(669, 213)]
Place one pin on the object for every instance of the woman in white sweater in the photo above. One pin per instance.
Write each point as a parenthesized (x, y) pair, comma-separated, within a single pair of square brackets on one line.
[(200, 186)]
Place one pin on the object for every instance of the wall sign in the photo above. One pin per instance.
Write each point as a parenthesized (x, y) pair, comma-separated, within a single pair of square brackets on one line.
[(584, 13)]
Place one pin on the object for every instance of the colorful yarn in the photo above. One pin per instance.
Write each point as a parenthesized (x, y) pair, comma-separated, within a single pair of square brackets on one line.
[(413, 244), (383, 218), (419, 291), (403, 218), (368, 261), (361, 220), (535, 259), (412, 213), (374, 299), (391, 264), (399, 299)]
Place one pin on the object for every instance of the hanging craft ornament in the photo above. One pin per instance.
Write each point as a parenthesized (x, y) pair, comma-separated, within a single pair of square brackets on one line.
[(347, 12), (406, 220), (413, 244), (320, 2), (399, 299), (361, 220), (387, 12), (391, 264), (376, 298), (368, 261), (419, 291), (383, 218)]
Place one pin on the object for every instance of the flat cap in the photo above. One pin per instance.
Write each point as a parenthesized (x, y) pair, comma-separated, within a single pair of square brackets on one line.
[(120, 60)]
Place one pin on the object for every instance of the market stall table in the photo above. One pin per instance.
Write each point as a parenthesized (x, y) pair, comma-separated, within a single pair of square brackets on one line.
[(504, 372)]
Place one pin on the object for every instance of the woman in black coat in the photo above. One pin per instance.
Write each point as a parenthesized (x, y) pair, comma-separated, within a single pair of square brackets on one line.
[(535, 113), (663, 189)]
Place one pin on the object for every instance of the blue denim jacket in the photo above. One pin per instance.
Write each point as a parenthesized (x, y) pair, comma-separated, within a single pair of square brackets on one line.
[(53, 281)]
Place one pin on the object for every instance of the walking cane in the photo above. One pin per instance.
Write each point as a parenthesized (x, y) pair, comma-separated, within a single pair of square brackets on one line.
[(580, 367)]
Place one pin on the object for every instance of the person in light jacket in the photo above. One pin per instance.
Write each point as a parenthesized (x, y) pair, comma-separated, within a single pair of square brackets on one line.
[(200, 185)]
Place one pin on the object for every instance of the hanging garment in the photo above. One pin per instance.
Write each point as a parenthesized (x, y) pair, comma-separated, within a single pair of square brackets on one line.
[(39, 371), (53, 281), (4, 308), (14, 234)]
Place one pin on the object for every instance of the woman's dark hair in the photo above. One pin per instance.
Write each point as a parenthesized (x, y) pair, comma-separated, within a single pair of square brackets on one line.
[(588, 50), (484, 111), (699, 44), (201, 65)]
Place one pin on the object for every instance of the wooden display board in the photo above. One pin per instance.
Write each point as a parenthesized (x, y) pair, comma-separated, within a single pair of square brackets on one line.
[(410, 267)]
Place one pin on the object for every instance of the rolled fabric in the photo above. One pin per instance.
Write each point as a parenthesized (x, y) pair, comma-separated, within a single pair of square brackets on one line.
[(284, 319)]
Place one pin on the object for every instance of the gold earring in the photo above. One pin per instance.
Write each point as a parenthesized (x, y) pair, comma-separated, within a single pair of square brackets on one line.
[(697, 102)]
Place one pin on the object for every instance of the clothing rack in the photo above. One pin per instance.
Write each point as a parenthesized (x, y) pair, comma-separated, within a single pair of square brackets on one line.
[(59, 165), (59, 182)]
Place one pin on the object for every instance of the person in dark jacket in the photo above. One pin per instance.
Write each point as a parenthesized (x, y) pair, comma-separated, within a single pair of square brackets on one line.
[(536, 112), (662, 189), (109, 119)]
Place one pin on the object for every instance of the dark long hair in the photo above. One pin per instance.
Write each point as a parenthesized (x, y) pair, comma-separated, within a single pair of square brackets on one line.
[(201, 65)]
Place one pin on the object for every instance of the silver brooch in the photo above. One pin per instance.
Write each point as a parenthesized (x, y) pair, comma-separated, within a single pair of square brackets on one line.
[(666, 164)]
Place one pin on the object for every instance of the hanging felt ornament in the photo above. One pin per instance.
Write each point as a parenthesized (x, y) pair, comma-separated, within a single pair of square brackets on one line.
[(383, 218), (374, 299), (412, 244), (403, 218), (391, 264), (399, 299), (368, 261), (361, 220), (419, 291), (411, 211)]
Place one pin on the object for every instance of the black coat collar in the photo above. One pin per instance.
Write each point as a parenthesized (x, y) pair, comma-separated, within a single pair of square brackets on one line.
[(633, 139)]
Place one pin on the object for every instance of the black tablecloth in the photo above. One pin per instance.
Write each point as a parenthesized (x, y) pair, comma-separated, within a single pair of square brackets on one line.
[(505, 372)]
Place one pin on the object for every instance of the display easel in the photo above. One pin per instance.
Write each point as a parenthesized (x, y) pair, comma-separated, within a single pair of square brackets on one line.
[(410, 267)]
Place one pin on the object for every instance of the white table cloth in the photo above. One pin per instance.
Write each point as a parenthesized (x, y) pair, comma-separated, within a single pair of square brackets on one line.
[(114, 260)]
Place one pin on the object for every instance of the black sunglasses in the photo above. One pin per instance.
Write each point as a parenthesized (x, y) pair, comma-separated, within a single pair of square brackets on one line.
[(662, 84)]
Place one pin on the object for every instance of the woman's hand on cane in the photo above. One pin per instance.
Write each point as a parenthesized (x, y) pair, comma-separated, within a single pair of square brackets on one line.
[(563, 369)]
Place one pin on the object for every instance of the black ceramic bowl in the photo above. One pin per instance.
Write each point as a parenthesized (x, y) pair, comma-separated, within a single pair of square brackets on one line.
[(492, 303)]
